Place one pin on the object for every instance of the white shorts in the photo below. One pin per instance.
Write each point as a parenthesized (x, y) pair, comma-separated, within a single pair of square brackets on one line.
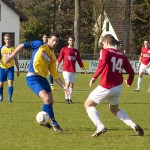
[(100, 94), (143, 68), (69, 76)]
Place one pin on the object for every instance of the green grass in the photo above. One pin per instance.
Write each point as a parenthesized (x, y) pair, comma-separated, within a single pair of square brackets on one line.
[(19, 130)]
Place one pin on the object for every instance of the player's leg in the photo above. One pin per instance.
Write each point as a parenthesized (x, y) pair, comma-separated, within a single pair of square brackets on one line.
[(67, 85), (97, 96), (66, 76), (71, 91), (141, 73), (139, 82), (3, 78), (10, 90), (121, 114), (1, 91), (10, 77), (148, 70), (48, 107), (41, 87), (72, 80)]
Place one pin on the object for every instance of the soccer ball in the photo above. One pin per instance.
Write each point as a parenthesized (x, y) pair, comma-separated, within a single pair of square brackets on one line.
[(42, 118)]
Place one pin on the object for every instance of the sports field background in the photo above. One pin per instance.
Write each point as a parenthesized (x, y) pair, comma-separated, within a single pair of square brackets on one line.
[(19, 130)]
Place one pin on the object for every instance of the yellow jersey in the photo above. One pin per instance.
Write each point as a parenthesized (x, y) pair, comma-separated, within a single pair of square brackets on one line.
[(5, 52), (44, 61)]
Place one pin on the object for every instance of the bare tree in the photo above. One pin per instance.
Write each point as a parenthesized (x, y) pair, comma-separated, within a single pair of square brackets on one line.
[(77, 24)]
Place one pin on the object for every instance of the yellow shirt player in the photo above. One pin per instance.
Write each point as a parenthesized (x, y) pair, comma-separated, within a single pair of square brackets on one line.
[(7, 70), (5, 52), (43, 60)]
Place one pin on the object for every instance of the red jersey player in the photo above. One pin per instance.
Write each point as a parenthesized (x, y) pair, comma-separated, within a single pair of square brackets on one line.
[(69, 55), (144, 64), (111, 64)]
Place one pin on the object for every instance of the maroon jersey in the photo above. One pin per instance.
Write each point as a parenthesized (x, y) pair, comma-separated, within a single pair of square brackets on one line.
[(145, 54), (69, 57), (111, 64)]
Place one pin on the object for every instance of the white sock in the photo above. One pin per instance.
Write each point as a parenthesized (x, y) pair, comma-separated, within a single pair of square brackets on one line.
[(94, 116), (139, 82), (122, 115), (66, 96), (70, 91)]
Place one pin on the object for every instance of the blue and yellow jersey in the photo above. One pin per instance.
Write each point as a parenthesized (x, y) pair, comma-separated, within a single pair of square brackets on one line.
[(43, 60), (5, 52)]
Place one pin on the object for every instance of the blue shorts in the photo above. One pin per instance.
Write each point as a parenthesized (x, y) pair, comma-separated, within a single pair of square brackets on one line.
[(38, 83), (6, 74)]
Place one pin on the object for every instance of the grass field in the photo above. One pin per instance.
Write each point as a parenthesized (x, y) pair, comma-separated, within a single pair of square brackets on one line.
[(19, 130)]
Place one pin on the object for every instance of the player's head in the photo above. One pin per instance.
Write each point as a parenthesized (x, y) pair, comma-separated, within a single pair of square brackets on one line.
[(53, 40), (108, 41), (45, 38), (71, 40), (7, 39), (146, 43)]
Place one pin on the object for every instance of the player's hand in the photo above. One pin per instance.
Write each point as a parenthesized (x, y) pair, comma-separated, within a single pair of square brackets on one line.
[(127, 85), (91, 82)]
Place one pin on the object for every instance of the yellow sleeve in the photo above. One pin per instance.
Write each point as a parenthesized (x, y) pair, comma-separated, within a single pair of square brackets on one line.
[(52, 69)]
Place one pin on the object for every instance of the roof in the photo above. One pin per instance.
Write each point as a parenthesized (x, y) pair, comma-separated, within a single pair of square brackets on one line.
[(10, 5), (116, 14)]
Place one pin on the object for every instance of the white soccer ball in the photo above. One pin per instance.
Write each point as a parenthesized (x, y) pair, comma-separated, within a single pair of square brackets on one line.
[(42, 118)]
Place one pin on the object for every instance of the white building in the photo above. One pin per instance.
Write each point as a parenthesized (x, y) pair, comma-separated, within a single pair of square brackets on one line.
[(10, 19)]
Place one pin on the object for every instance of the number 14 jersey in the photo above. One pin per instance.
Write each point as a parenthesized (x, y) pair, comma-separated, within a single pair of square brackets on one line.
[(111, 64)]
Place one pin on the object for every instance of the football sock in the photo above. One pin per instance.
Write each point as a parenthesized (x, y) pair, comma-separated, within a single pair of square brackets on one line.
[(66, 96), (1, 92), (10, 92), (49, 109), (122, 115), (94, 116), (139, 82), (70, 91), (51, 80)]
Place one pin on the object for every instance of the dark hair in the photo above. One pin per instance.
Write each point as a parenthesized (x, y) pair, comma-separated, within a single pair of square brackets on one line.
[(146, 39), (44, 34), (71, 36), (54, 34), (110, 39)]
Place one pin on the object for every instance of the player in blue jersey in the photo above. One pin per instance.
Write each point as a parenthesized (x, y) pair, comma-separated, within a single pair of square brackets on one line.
[(43, 61), (45, 40), (7, 70)]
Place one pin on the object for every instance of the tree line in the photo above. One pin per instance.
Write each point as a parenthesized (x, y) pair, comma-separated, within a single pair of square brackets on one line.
[(45, 16)]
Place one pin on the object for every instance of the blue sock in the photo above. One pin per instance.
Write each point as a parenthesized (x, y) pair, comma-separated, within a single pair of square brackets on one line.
[(49, 109), (10, 92), (51, 79), (1, 92)]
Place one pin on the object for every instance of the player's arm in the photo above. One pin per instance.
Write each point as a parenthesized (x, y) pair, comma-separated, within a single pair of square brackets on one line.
[(60, 57), (139, 62), (17, 66), (83, 68), (55, 75), (128, 68), (79, 60), (14, 53), (57, 65), (0, 52)]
